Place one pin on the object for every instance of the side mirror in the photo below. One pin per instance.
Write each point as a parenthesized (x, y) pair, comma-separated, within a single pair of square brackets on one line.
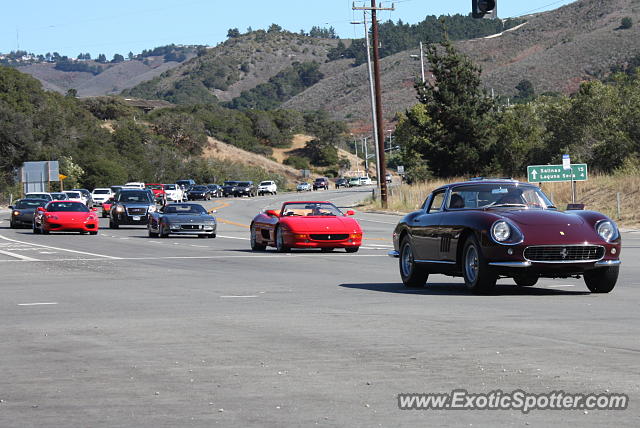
[(10, 207), (351, 212), (40, 209), (271, 213)]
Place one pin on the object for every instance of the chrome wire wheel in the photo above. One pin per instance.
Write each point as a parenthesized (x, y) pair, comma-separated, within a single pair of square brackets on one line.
[(406, 261), (471, 263)]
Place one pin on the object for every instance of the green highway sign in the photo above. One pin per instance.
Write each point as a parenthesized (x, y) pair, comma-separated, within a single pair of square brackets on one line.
[(545, 173)]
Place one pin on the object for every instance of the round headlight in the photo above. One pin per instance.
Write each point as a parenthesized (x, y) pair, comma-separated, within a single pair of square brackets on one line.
[(120, 209), (607, 230), (16, 212), (501, 231)]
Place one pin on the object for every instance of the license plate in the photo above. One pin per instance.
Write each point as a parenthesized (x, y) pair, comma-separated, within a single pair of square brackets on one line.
[(136, 218)]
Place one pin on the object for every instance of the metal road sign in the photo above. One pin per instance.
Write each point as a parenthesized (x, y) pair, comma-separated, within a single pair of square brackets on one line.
[(545, 173)]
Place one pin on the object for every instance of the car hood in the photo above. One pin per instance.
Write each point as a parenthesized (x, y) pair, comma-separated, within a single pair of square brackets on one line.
[(188, 218), (542, 217), (134, 204), (322, 224)]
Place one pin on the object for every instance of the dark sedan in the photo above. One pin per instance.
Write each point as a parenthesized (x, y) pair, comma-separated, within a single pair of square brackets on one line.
[(215, 190), (182, 219), (486, 229), (229, 187), (199, 192), (22, 212)]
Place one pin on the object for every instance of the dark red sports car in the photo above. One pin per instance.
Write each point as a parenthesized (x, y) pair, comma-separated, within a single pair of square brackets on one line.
[(306, 225), (486, 229), (65, 216)]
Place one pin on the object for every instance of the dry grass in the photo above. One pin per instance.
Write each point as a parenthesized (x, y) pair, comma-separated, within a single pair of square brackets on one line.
[(599, 193)]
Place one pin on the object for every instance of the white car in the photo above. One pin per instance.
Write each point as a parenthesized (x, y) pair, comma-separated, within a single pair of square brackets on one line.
[(365, 181), (135, 184), (75, 196), (101, 194), (267, 187), (303, 187), (174, 193)]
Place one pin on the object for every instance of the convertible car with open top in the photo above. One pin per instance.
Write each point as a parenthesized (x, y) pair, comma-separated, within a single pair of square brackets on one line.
[(312, 224), (486, 229)]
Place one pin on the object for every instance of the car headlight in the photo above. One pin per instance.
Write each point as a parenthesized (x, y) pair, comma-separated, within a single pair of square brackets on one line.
[(607, 230), (119, 209), (152, 208), (16, 212), (500, 231)]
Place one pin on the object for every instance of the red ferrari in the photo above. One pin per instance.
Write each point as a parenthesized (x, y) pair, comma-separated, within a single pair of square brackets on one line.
[(306, 225), (65, 216)]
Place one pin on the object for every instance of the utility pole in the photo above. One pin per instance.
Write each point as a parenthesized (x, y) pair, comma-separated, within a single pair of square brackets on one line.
[(366, 157), (378, 96), (371, 94)]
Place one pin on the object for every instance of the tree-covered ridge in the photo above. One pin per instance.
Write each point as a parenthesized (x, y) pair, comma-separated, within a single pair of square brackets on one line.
[(399, 36), (281, 87)]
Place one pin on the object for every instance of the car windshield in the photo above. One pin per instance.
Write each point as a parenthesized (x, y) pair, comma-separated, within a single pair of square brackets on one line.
[(39, 196), (169, 187), (265, 183), (199, 188), (184, 209), (244, 184), (59, 196), (67, 206), (75, 195), (319, 180), (310, 209), (23, 205), (487, 195), (230, 183), (142, 197), (154, 186), (101, 191)]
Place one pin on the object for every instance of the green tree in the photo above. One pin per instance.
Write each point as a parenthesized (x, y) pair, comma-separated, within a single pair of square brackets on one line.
[(525, 91), (454, 129), (626, 23), (233, 33)]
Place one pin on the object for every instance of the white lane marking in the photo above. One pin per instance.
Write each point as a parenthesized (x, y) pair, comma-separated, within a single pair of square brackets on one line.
[(48, 252), (235, 297), (18, 256), (37, 304), (560, 286), (59, 249), (199, 257), (232, 237), (199, 246)]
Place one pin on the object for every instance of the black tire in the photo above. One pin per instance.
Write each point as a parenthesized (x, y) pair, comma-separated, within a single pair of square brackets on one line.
[(36, 230), (280, 242), (353, 250), (601, 280), (162, 233), (152, 234), (478, 277), (93, 233), (43, 230), (327, 249), (113, 225), (526, 280), (12, 225), (255, 246), (412, 274)]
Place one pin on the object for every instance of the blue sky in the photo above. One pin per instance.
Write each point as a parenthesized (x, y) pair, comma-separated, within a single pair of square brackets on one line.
[(70, 27)]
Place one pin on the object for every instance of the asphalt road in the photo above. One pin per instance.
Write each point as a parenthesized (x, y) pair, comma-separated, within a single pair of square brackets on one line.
[(122, 330)]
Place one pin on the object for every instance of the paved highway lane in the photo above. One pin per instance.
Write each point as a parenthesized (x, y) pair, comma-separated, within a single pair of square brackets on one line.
[(123, 330)]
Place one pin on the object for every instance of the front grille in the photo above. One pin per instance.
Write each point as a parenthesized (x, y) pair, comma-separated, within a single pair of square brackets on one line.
[(562, 253), (137, 211), (190, 226), (329, 236)]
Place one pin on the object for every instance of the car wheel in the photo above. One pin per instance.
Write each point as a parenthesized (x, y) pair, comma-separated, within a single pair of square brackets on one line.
[(326, 250), (12, 225), (152, 234), (36, 230), (477, 275), (43, 230), (411, 273), (255, 246), (162, 233), (354, 250), (601, 280), (280, 241), (525, 280), (93, 233), (113, 225)]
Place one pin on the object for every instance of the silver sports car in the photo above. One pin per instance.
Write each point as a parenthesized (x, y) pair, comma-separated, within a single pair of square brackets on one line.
[(182, 219)]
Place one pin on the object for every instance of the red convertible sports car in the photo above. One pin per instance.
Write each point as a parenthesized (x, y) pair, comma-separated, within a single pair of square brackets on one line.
[(306, 225), (486, 229), (65, 216)]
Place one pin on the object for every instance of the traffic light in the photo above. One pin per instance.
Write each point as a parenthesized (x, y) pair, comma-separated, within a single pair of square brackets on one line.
[(480, 8)]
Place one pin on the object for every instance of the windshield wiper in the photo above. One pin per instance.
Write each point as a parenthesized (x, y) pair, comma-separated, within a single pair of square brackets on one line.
[(506, 205)]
